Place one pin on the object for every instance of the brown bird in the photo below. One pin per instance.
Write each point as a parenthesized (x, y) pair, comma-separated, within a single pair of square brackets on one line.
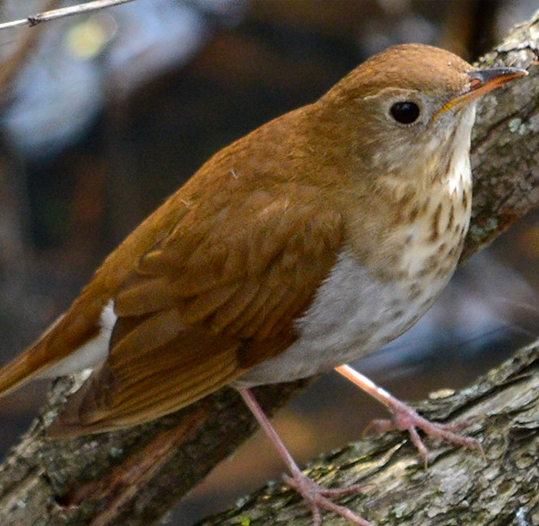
[(309, 243)]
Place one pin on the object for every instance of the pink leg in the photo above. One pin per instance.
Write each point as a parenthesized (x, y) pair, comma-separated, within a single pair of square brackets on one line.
[(316, 497), (406, 419)]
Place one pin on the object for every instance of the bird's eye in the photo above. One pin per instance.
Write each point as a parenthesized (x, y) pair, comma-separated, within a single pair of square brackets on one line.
[(405, 112)]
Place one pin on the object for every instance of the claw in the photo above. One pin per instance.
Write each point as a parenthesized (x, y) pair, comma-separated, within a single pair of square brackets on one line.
[(318, 498), (407, 419)]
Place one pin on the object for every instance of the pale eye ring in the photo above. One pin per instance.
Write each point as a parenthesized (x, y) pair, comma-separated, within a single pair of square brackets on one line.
[(405, 112)]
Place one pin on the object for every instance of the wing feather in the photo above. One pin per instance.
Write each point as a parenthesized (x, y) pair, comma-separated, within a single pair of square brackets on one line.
[(205, 304)]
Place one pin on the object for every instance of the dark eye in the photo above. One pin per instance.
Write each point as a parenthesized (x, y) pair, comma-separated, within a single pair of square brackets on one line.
[(405, 112)]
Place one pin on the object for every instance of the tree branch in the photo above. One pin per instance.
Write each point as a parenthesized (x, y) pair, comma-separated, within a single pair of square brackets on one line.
[(133, 477), (505, 143), (47, 16), (459, 487)]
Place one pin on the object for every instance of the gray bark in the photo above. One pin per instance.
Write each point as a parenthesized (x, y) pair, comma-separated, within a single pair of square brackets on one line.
[(133, 477), (459, 487)]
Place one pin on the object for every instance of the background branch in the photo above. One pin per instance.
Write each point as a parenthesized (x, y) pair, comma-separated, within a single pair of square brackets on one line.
[(64, 12), (134, 477)]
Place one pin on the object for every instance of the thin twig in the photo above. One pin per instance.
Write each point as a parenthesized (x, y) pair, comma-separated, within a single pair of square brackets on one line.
[(34, 20), (13, 64)]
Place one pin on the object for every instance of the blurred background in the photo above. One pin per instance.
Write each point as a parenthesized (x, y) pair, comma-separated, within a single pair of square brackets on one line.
[(104, 115)]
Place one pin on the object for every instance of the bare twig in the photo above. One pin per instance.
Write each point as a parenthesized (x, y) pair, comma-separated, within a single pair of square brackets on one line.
[(12, 65), (36, 19)]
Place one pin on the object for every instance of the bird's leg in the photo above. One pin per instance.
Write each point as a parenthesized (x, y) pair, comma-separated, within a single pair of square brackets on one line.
[(407, 419), (316, 497)]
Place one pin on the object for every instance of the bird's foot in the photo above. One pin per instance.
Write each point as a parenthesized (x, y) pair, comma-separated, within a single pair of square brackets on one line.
[(318, 498), (407, 419), (315, 496)]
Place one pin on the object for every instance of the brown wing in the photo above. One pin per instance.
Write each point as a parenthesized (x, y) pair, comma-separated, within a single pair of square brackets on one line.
[(207, 303)]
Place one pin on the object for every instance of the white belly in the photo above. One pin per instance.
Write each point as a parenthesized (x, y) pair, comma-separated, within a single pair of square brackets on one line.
[(353, 315)]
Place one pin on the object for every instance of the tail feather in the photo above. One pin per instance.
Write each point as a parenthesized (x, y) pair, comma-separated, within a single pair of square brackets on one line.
[(21, 370), (55, 345)]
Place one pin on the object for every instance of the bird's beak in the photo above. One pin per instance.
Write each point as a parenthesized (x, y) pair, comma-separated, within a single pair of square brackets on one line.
[(485, 80), (481, 82)]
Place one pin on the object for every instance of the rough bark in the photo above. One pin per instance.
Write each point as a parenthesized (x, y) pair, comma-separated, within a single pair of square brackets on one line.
[(459, 487), (134, 477), (505, 142)]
